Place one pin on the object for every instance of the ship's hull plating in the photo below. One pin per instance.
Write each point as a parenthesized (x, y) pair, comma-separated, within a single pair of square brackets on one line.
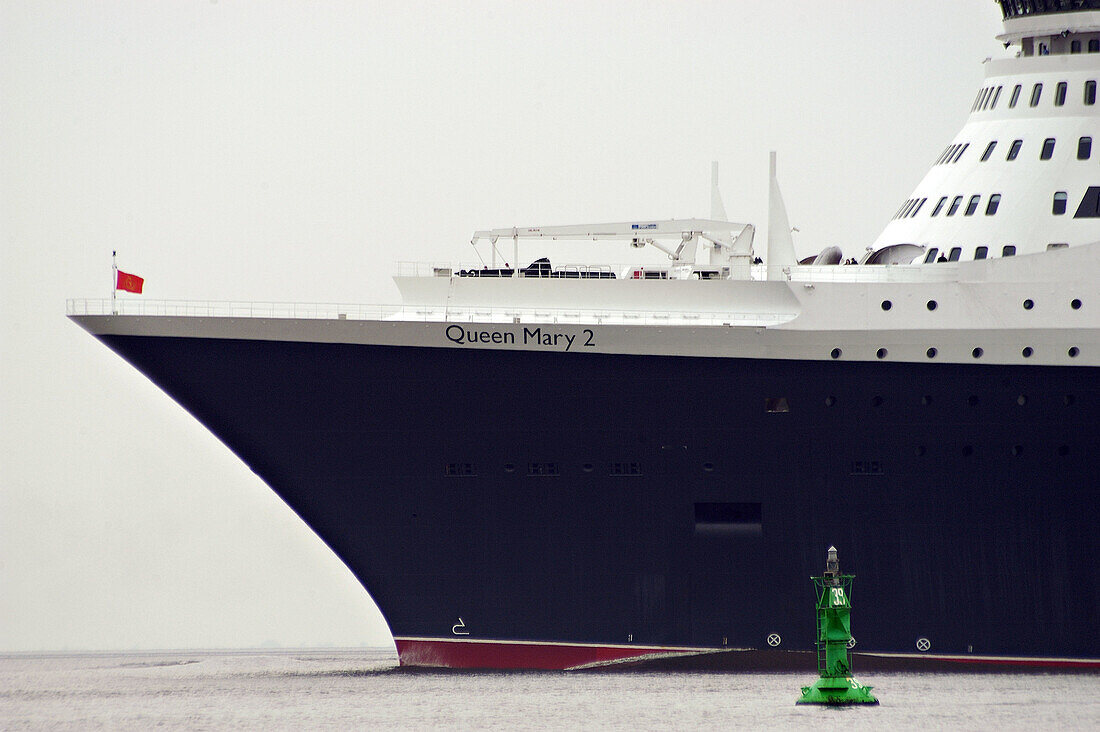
[(619, 501)]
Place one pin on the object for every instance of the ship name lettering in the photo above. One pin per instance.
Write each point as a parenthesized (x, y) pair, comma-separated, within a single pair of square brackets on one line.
[(546, 338), (536, 336), (458, 334)]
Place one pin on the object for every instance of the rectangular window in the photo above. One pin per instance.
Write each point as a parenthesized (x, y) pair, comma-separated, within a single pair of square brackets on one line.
[(917, 207), (1015, 96), (1014, 150), (546, 469), (625, 469), (729, 519), (994, 203), (1094, 45), (1036, 94), (955, 254), (1060, 94), (1084, 148), (1090, 93), (959, 154), (939, 206), (931, 256), (988, 151), (1048, 149), (459, 470), (866, 467), (996, 96), (955, 205), (981, 252), (1059, 206), (1075, 46), (1008, 251), (972, 206), (777, 405)]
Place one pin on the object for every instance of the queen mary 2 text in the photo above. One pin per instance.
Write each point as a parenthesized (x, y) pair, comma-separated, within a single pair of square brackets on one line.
[(537, 336)]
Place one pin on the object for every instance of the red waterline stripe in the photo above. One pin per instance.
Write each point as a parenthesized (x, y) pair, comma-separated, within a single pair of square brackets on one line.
[(993, 660), (1047, 662), (510, 655)]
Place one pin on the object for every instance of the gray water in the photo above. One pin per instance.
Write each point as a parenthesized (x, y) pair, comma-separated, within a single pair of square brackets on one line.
[(362, 689)]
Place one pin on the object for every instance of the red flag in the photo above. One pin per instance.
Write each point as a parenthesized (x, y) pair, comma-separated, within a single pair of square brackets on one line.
[(129, 282)]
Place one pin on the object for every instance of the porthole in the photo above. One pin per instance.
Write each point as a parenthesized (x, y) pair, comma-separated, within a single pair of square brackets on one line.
[(926, 400), (1068, 400), (972, 400), (836, 352), (977, 352), (1026, 353), (1063, 450), (931, 352), (886, 304), (920, 451), (881, 353), (509, 467), (830, 401), (968, 450), (876, 401), (1073, 351), (1021, 400), (931, 305), (1029, 304), (1075, 304), (1017, 450), (588, 467), (709, 467)]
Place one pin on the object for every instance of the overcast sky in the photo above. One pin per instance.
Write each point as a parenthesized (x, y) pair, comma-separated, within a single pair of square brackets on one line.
[(294, 151)]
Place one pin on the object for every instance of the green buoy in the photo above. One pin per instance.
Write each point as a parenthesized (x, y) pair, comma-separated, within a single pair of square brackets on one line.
[(834, 634)]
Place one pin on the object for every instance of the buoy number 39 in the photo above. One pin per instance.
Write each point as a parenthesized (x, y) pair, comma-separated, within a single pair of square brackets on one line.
[(838, 596)]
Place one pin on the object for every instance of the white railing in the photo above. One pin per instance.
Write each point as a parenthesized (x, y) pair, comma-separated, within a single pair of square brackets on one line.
[(563, 270), (230, 309), (939, 272), (422, 313)]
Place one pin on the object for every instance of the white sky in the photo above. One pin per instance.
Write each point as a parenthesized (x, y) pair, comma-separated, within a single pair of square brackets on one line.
[(294, 151)]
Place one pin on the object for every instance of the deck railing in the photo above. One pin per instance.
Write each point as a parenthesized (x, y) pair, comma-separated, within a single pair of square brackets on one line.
[(423, 313), (939, 272)]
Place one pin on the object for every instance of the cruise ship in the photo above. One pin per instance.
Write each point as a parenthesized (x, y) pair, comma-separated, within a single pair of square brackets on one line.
[(531, 463)]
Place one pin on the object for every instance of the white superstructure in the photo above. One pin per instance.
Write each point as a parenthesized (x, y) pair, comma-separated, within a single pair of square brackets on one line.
[(994, 257)]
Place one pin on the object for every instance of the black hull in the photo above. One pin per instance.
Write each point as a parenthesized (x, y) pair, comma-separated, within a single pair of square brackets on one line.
[(612, 499)]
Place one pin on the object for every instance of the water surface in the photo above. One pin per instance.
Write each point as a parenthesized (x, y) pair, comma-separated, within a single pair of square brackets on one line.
[(363, 689)]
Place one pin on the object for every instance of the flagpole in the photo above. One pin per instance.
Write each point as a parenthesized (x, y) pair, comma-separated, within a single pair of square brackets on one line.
[(114, 282)]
